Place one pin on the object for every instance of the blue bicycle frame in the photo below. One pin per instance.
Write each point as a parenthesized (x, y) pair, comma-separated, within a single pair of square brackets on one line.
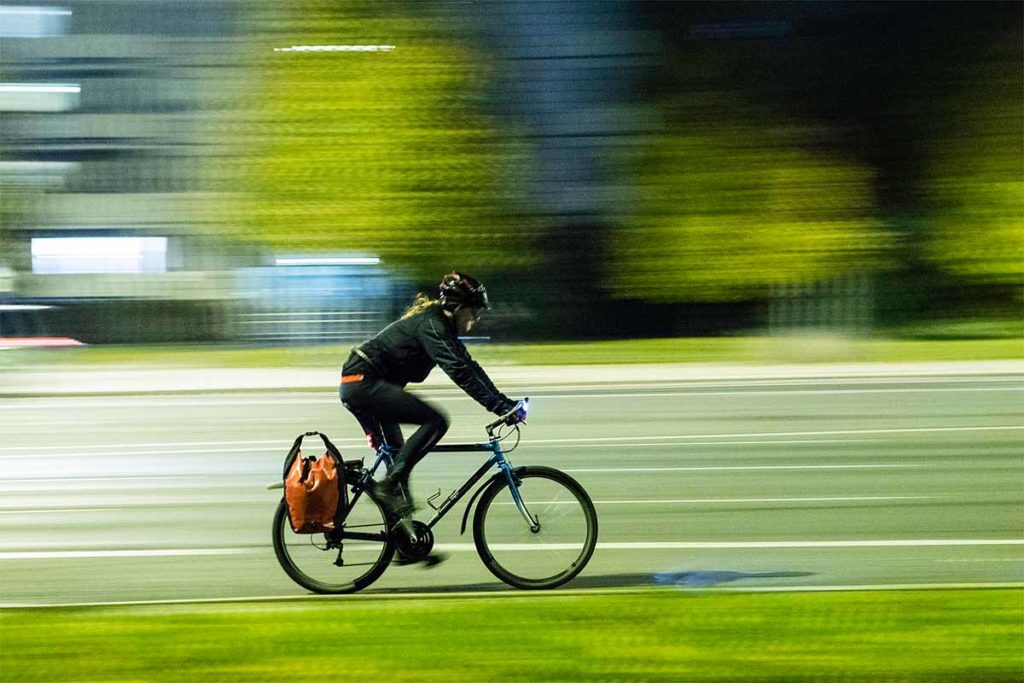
[(385, 455)]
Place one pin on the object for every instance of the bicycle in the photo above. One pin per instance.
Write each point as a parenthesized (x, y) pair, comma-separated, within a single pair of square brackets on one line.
[(535, 527)]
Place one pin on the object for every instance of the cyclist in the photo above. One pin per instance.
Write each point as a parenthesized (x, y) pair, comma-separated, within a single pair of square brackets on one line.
[(375, 375)]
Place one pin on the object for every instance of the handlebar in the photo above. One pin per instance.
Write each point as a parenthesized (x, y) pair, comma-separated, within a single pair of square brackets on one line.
[(514, 416)]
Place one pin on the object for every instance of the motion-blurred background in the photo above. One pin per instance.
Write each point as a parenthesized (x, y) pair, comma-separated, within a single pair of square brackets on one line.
[(291, 173), (775, 189)]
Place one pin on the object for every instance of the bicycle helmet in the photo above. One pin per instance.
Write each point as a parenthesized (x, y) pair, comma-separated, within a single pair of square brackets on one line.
[(458, 290)]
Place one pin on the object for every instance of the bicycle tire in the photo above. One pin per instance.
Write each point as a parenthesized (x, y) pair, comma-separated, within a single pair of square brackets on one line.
[(311, 566), (568, 529)]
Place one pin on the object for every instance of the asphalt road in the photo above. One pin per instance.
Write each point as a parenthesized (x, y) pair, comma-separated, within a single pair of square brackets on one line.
[(741, 483)]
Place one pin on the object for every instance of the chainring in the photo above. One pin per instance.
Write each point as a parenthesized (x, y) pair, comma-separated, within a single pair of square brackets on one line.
[(409, 551)]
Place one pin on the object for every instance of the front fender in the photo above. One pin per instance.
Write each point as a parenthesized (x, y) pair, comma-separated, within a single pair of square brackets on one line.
[(496, 477)]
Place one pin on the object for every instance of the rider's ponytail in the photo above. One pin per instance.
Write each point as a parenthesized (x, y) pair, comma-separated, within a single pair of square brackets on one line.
[(421, 303)]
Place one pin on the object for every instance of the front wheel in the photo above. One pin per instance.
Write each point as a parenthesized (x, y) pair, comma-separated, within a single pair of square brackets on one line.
[(336, 562), (550, 554)]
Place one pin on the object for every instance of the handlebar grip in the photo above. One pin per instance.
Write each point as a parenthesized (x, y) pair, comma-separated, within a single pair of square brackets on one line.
[(508, 418)]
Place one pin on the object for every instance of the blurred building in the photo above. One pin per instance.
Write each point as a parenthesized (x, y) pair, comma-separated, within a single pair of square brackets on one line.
[(101, 145), (105, 117), (313, 300)]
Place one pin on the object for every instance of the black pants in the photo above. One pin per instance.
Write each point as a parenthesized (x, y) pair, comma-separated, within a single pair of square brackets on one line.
[(381, 407)]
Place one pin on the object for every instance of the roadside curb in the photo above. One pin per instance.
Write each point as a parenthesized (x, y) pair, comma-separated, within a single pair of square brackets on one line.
[(54, 382)]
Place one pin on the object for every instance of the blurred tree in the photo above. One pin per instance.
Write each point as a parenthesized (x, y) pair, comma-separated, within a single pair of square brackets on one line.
[(974, 183), (926, 95), (379, 151), (724, 211)]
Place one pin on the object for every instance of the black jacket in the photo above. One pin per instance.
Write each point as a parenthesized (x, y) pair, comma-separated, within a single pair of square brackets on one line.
[(409, 348)]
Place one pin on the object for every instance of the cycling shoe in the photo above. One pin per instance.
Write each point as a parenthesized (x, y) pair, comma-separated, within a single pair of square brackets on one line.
[(395, 498)]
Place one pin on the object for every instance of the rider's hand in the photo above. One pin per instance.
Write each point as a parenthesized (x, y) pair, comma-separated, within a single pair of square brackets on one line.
[(519, 415), (512, 412)]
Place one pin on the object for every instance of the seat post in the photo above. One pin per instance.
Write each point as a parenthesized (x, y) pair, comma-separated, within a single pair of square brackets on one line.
[(385, 454)]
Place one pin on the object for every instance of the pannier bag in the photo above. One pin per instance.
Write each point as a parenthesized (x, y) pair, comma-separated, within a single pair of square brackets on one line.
[(314, 489)]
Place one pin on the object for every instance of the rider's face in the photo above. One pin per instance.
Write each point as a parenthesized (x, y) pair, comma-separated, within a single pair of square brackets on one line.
[(465, 319)]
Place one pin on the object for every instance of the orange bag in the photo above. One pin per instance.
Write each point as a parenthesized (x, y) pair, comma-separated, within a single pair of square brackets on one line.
[(314, 488)]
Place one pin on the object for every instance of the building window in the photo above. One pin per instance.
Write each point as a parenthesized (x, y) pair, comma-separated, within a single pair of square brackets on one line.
[(78, 255)]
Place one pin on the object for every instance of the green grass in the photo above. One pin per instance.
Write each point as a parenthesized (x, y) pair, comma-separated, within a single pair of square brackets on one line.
[(941, 635), (754, 350)]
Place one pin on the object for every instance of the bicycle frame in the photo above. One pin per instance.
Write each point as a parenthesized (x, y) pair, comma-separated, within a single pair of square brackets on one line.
[(498, 459), (388, 536)]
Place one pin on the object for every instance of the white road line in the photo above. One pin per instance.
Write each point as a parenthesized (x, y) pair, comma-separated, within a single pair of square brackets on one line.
[(111, 452), (730, 468), (470, 547), (584, 391), (156, 552), (185, 400), (157, 477), (869, 587), (585, 470), (836, 432), (172, 444), (718, 501), (153, 452), (111, 449), (896, 543), (787, 392), (809, 381), (738, 545), (63, 511), (737, 383), (686, 501), (112, 423), (371, 596), (665, 444)]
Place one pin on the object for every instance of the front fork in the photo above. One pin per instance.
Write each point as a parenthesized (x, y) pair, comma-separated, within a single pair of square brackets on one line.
[(513, 485)]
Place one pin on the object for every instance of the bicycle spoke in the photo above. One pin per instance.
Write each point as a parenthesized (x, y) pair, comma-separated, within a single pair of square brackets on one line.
[(548, 555), (311, 560)]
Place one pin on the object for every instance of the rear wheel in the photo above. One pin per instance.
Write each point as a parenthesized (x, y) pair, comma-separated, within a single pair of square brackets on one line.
[(549, 555), (336, 562)]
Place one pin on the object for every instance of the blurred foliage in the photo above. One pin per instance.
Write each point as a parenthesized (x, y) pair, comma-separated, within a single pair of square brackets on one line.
[(17, 207), (388, 153), (726, 209), (666, 635), (374, 152), (11, 217), (974, 182)]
